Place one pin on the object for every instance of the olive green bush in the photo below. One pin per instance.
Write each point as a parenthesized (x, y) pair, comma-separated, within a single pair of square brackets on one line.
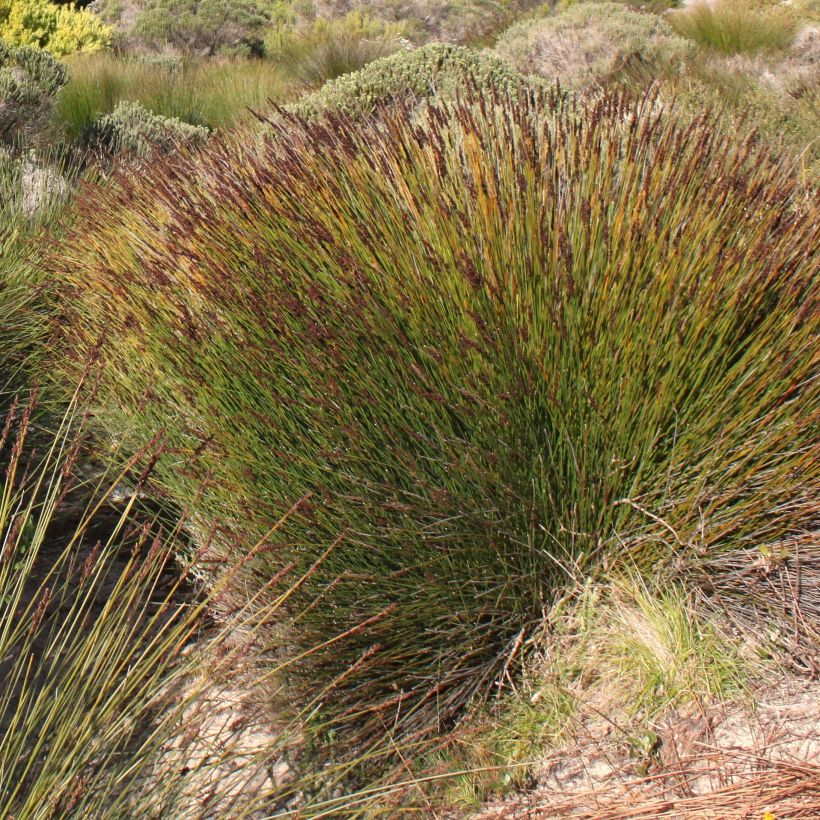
[(477, 349), (435, 70), (203, 27), (29, 80), (590, 44), (131, 129), (455, 21)]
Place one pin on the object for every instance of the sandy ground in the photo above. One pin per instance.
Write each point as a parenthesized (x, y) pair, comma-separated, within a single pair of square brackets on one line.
[(722, 763)]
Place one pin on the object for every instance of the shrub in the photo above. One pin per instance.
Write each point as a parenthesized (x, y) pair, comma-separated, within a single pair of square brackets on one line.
[(433, 70), (454, 21), (591, 43), (60, 30), (29, 80), (131, 129), (779, 95), (328, 49), (479, 348), (735, 26), (201, 26)]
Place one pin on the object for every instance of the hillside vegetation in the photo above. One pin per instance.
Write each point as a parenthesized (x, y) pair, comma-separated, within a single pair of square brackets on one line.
[(391, 391)]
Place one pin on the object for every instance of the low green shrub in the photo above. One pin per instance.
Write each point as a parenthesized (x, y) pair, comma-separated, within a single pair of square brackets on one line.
[(466, 22), (592, 43), (192, 27), (58, 29), (435, 70), (29, 81), (212, 93), (131, 129), (478, 348), (736, 26)]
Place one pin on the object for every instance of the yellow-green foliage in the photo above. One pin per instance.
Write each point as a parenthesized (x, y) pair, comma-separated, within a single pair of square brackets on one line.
[(60, 30), (213, 93)]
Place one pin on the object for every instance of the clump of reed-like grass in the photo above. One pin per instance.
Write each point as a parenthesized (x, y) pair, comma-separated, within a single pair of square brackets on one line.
[(488, 345), (33, 188), (330, 48), (736, 26), (213, 93)]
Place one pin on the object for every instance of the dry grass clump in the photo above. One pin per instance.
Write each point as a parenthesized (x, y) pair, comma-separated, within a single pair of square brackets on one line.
[(736, 26), (475, 346), (591, 44), (327, 49)]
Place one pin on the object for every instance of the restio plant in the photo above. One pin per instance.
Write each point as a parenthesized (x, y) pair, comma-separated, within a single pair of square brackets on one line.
[(32, 191), (29, 80), (736, 26), (212, 93), (590, 44), (106, 709), (433, 71), (478, 348), (328, 49), (60, 30), (131, 129)]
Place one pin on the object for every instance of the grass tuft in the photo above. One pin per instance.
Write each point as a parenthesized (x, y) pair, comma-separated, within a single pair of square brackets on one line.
[(736, 26), (476, 345)]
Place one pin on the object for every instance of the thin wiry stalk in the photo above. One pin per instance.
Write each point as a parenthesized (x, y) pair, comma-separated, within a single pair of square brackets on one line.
[(104, 649)]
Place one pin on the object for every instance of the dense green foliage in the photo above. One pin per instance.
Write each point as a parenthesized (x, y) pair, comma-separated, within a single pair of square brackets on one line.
[(481, 347), (592, 43), (204, 27), (435, 70), (29, 80), (59, 30)]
